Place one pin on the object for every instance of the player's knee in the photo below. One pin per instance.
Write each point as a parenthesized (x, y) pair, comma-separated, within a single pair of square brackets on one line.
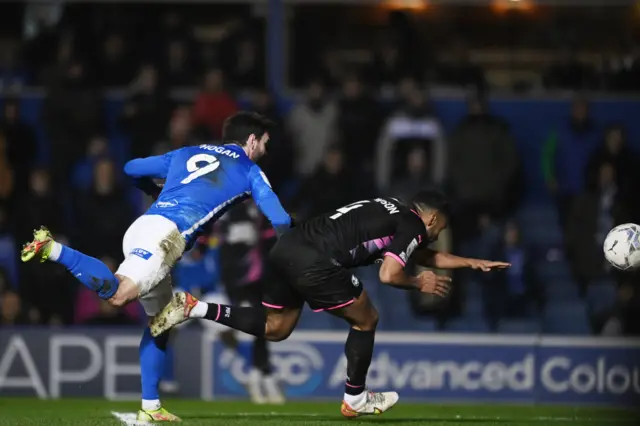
[(277, 330), (368, 321)]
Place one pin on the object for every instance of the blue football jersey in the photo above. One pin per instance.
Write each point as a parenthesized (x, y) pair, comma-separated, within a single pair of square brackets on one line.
[(202, 182)]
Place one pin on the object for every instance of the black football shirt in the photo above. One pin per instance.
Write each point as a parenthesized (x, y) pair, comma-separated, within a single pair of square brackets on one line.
[(363, 232)]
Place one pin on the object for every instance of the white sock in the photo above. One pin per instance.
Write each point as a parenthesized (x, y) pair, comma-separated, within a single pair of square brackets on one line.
[(56, 250), (200, 310), (151, 404), (356, 401)]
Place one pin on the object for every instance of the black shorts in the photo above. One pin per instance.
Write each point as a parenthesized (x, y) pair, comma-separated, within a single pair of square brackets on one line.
[(303, 274)]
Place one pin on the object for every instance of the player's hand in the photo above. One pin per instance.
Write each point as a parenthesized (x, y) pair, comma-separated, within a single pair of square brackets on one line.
[(430, 283), (487, 265)]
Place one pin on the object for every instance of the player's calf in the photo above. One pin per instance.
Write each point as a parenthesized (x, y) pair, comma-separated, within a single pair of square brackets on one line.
[(363, 318)]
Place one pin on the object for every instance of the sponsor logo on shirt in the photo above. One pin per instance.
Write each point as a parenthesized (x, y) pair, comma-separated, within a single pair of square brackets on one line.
[(164, 204), (141, 253)]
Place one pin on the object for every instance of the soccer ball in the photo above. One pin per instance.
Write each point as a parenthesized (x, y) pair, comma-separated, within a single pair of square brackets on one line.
[(622, 246)]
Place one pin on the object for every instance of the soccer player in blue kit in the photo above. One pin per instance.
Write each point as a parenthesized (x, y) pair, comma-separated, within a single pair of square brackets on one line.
[(202, 182)]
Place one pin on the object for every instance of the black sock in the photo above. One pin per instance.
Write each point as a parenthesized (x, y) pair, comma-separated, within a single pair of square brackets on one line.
[(246, 319), (359, 351), (261, 356)]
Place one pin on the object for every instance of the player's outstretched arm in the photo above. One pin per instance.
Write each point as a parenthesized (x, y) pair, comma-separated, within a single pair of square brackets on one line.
[(392, 273), (143, 170), (435, 259), (268, 202)]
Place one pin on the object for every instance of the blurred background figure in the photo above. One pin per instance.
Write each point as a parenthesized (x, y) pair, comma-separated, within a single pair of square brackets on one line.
[(412, 124), (214, 103), (146, 112), (312, 125)]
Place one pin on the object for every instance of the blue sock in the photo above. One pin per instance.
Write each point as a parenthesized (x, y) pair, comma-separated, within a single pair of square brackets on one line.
[(169, 374), (91, 272), (153, 352)]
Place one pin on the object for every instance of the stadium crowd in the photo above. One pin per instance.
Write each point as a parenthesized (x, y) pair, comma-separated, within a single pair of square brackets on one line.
[(336, 145)]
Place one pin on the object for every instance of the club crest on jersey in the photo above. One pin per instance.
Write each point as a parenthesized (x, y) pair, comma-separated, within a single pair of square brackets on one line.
[(355, 281), (141, 253)]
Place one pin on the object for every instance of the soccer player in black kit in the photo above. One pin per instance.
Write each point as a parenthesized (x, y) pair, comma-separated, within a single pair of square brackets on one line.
[(313, 260)]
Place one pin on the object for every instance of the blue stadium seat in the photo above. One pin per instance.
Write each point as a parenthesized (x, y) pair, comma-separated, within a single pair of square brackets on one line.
[(601, 295), (404, 320), (559, 271), (519, 326), (474, 307), (467, 325), (561, 291), (566, 319)]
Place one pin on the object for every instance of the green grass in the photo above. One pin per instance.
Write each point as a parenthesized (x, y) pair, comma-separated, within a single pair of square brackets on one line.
[(91, 412)]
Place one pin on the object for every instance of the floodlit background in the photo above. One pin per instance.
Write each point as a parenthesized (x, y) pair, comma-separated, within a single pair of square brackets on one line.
[(527, 113)]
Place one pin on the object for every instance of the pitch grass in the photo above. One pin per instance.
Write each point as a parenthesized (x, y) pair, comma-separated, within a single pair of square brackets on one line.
[(91, 412)]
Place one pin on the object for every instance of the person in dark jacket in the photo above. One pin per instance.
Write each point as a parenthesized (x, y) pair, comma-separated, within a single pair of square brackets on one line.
[(330, 187), (593, 214), (566, 156), (514, 293), (104, 214), (626, 163)]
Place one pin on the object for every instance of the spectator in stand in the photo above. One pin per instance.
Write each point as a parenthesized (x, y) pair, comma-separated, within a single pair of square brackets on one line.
[(108, 315), (6, 172), (11, 311), (116, 66), (591, 217), (359, 116), (38, 206), (514, 293), (311, 125), (71, 115), (97, 149), (145, 113), (483, 162), (178, 69), (625, 315), (412, 124), (247, 69), (103, 214), (214, 103), (278, 164), (331, 186), (21, 144), (566, 156), (8, 253), (417, 176), (625, 161), (180, 131), (12, 76)]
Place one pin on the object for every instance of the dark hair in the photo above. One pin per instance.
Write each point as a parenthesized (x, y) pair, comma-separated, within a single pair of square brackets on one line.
[(238, 127), (431, 199)]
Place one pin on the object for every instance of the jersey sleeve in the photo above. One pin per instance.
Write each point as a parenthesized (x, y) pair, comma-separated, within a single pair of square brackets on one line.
[(155, 167), (267, 201), (409, 235)]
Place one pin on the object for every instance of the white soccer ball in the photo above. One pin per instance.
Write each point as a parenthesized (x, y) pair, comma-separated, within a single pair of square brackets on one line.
[(622, 246)]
